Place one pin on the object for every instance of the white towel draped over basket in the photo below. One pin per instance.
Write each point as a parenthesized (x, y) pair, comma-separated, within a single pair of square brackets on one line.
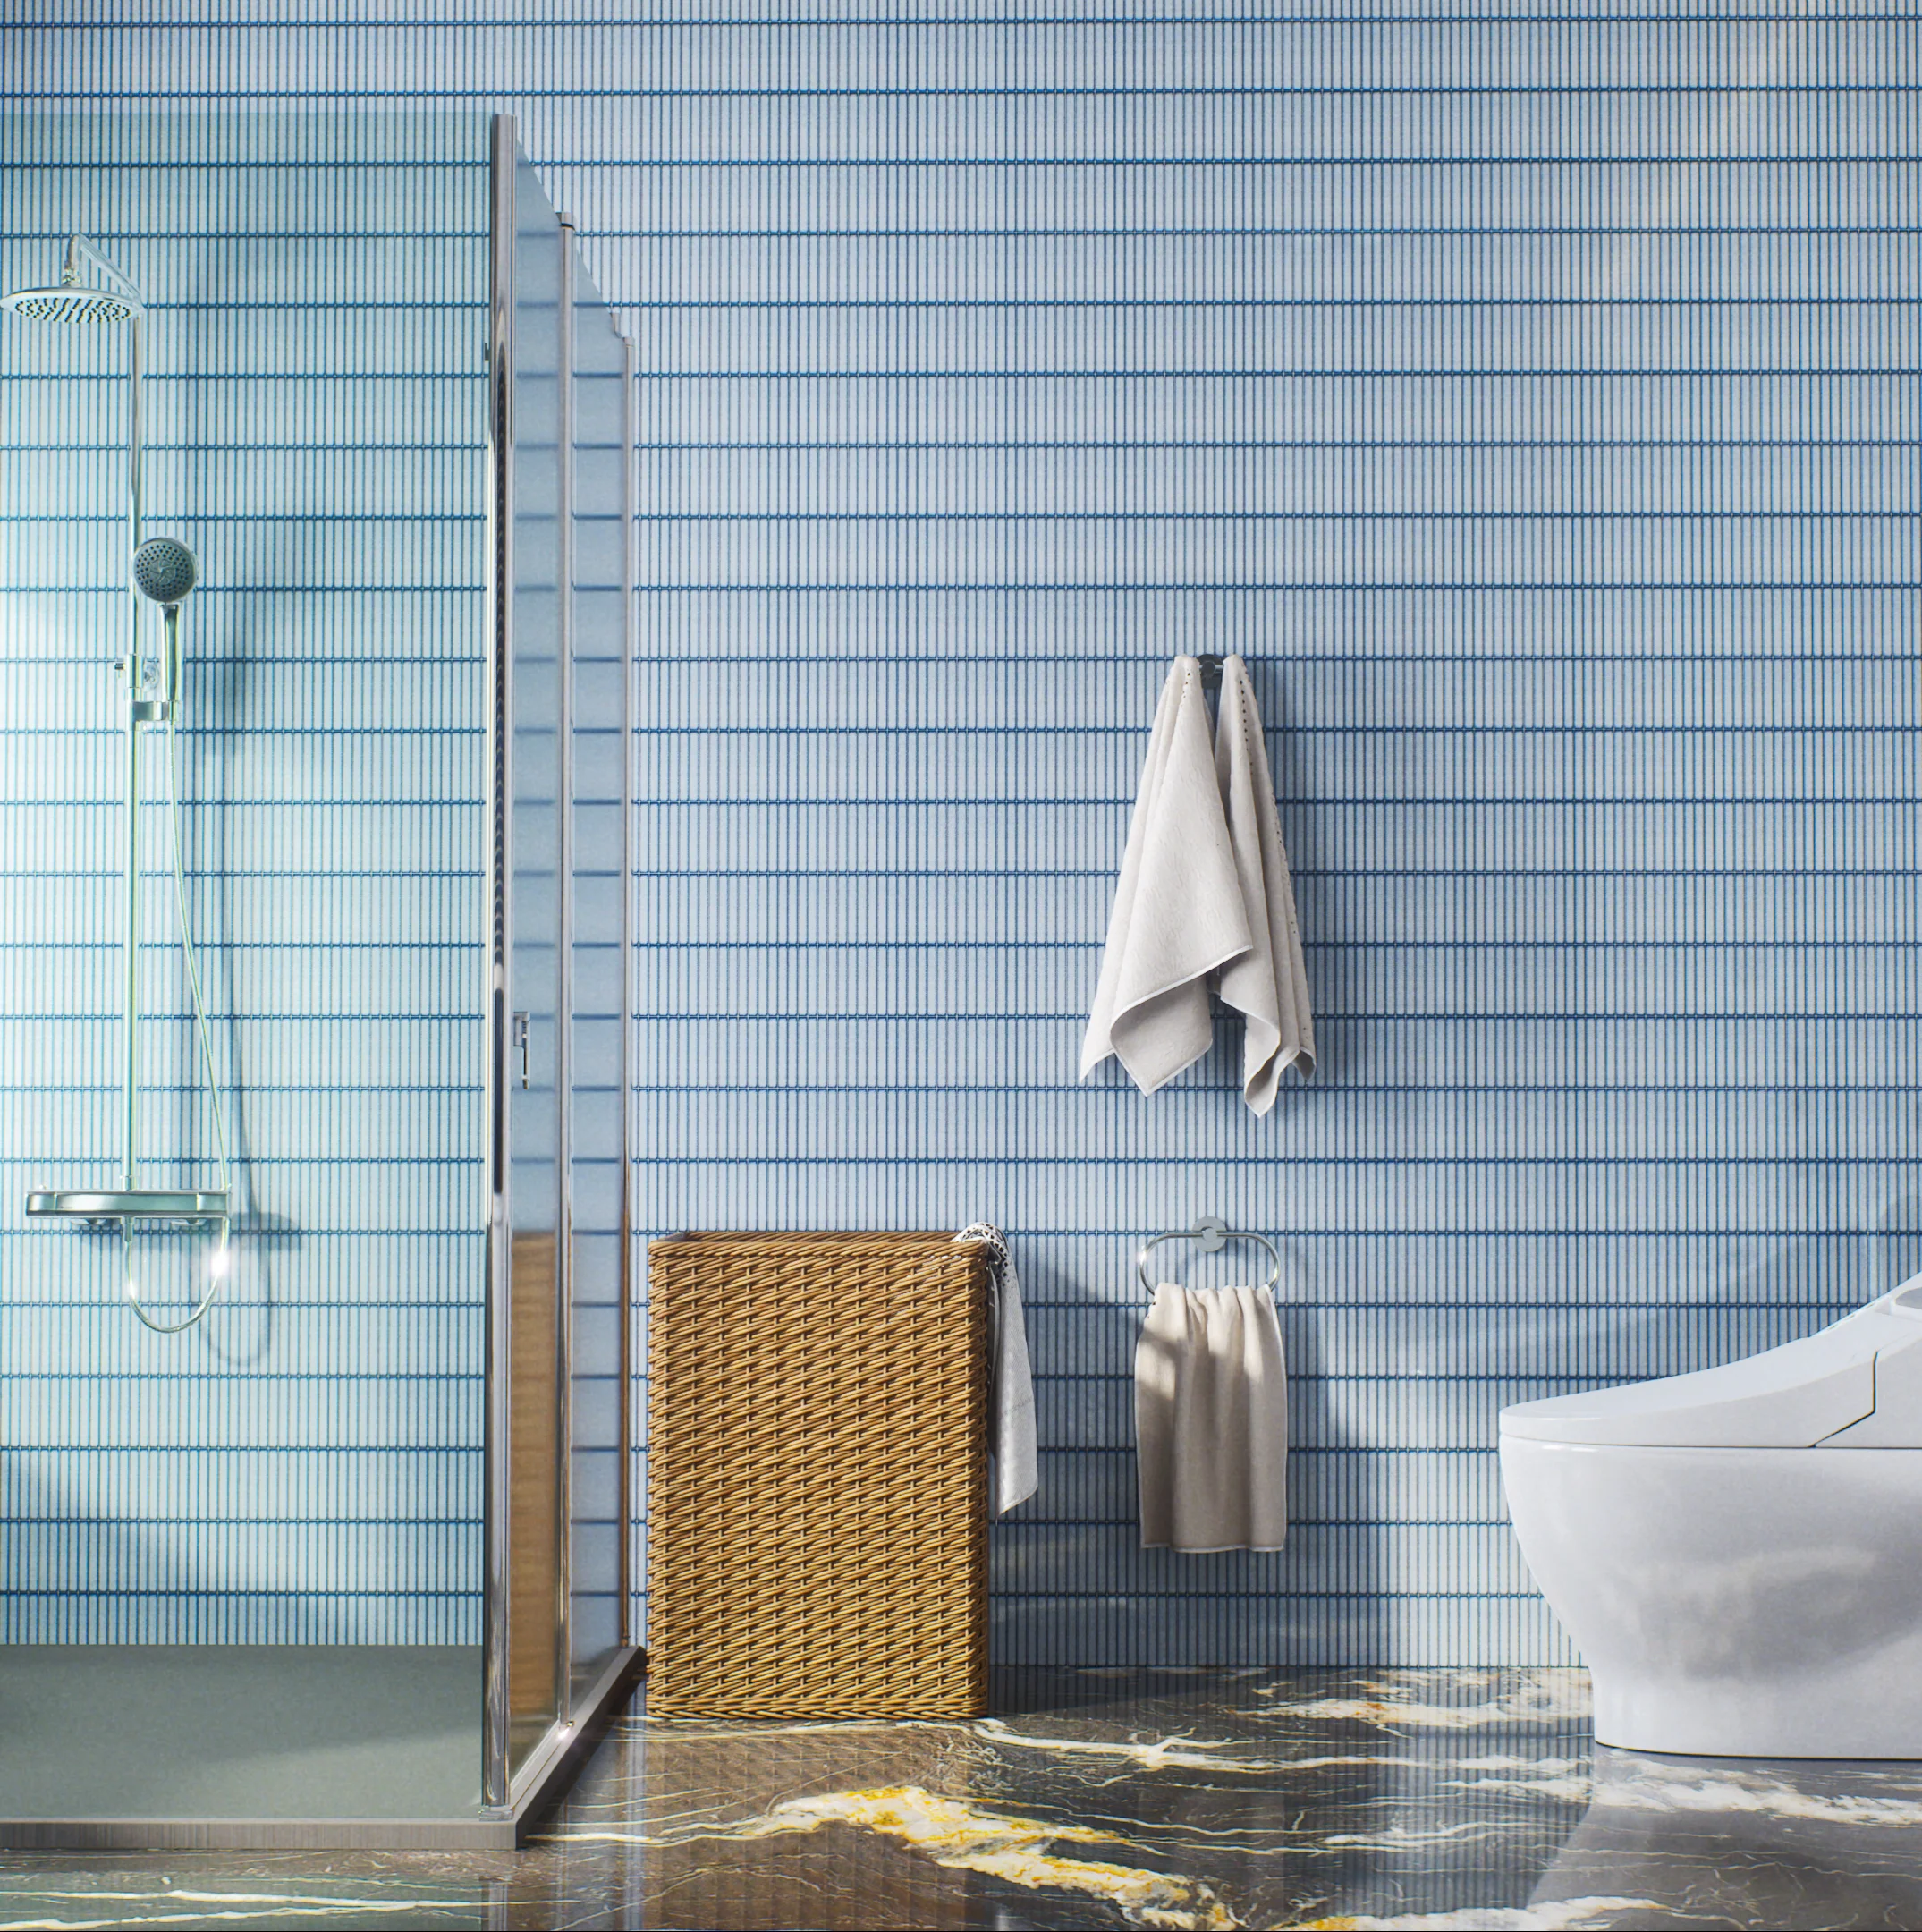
[(1013, 1460)]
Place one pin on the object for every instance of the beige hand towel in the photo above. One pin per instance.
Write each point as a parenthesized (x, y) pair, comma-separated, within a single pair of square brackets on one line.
[(1178, 912), (1268, 984), (1211, 1420)]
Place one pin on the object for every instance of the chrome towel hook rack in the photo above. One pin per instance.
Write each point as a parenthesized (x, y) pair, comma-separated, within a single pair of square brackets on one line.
[(1213, 1234)]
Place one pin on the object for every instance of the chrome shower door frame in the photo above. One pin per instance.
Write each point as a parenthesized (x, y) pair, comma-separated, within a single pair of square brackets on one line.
[(498, 1435), (511, 1791)]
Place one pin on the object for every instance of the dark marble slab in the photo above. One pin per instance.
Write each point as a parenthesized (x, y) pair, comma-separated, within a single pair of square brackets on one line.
[(1407, 1798)]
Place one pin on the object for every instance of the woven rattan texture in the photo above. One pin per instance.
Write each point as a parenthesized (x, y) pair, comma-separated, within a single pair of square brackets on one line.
[(817, 1477)]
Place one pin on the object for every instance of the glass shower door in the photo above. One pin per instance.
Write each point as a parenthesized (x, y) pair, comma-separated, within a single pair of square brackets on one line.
[(602, 446), (557, 1245)]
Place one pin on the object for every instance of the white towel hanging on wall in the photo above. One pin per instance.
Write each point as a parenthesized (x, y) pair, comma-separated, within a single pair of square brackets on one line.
[(1205, 902), (1178, 912), (1268, 983)]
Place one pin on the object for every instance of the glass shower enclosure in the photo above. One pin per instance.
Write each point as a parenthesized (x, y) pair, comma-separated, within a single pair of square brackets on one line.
[(344, 1561)]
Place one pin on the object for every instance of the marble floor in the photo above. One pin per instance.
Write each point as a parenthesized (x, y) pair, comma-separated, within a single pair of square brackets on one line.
[(1417, 1799)]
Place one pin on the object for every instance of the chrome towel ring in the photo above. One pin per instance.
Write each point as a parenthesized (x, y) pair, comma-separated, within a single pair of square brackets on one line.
[(1213, 1235)]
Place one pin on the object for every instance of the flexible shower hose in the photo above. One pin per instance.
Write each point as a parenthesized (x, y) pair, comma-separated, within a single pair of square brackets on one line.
[(216, 1273)]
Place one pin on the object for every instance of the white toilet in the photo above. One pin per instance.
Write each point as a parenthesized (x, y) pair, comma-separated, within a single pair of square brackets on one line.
[(1738, 1551)]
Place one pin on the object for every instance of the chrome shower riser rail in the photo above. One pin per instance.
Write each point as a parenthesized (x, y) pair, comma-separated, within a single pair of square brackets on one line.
[(164, 572), (130, 882)]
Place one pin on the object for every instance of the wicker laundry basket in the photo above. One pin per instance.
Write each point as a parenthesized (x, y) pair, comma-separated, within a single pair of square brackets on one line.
[(817, 1488)]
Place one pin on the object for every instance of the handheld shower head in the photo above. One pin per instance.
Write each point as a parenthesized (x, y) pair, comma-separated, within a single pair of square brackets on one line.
[(164, 570)]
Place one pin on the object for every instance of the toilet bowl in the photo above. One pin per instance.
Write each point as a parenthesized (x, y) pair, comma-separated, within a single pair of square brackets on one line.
[(1738, 1551)]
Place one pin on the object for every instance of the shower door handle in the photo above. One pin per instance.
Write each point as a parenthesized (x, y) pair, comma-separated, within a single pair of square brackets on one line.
[(521, 1033)]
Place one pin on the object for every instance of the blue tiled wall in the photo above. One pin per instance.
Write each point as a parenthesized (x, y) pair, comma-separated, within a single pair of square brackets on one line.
[(1531, 397)]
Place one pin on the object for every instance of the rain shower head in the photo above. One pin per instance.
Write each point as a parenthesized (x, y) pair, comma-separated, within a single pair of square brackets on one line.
[(164, 570), (72, 304)]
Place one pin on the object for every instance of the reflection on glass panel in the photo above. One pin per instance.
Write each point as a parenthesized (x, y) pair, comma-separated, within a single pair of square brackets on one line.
[(596, 986), (535, 858)]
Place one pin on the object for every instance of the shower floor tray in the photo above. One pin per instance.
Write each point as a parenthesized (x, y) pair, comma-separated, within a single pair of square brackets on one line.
[(203, 1745)]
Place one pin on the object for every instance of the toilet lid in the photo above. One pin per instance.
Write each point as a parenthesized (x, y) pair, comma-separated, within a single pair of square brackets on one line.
[(1786, 1398)]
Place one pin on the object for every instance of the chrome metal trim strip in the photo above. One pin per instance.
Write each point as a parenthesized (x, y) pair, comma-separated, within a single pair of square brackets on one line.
[(564, 1032), (546, 1769), (477, 1833), (498, 1437), (629, 792)]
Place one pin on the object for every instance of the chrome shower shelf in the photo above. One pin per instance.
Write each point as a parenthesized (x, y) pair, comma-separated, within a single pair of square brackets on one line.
[(99, 1205)]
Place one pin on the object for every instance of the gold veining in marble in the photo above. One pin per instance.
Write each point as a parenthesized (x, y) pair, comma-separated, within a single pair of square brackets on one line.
[(963, 1836)]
